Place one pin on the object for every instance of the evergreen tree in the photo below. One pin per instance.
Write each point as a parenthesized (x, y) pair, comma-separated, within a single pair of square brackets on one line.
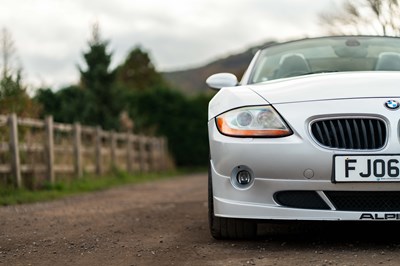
[(138, 72), (98, 83), (14, 99), (67, 105)]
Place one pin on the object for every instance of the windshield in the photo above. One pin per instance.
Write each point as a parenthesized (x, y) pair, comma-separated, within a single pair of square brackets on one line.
[(330, 54)]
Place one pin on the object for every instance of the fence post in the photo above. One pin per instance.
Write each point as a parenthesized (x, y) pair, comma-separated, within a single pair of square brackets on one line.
[(164, 153), (129, 152), (113, 147), (78, 150), (14, 148), (50, 148), (153, 160), (149, 154), (98, 151), (142, 153), (159, 154)]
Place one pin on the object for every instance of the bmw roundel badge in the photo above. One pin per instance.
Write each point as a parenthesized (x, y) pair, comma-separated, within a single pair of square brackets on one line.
[(392, 104)]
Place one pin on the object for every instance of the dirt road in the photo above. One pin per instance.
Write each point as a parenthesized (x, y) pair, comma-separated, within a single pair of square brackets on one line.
[(165, 223)]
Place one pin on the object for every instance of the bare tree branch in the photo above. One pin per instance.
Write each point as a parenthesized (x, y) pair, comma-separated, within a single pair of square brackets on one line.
[(376, 17)]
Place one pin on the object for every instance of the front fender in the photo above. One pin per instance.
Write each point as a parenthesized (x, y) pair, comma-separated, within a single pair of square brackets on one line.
[(233, 97)]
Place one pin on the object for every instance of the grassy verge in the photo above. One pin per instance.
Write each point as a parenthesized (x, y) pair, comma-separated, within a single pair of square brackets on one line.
[(12, 196)]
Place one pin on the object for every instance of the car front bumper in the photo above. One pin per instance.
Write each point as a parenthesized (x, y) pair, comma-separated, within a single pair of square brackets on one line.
[(232, 203), (293, 163)]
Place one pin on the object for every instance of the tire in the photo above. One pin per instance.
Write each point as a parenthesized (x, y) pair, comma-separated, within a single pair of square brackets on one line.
[(227, 228)]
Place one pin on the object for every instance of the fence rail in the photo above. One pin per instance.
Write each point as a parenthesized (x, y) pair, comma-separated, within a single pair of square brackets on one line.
[(32, 149)]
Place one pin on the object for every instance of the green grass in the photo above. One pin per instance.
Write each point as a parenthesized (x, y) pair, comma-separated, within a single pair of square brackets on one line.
[(12, 196)]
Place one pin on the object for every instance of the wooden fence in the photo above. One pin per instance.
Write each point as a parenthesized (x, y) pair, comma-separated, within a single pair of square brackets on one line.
[(34, 150)]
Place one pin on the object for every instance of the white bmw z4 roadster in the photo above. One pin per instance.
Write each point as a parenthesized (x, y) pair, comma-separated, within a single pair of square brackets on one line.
[(311, 132)]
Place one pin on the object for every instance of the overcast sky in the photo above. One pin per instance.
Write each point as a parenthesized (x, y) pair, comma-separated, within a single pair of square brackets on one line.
[(50, 35)]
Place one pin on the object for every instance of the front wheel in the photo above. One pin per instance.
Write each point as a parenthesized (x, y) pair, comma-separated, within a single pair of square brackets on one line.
[(227, 228)]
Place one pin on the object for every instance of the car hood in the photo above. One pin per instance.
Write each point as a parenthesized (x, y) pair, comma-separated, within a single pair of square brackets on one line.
[(330, 86)]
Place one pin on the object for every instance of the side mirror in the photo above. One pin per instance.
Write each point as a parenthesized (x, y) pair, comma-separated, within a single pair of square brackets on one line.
[(220, 80)]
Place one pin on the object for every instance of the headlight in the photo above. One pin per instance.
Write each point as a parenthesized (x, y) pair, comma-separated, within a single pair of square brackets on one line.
[(258, 121)]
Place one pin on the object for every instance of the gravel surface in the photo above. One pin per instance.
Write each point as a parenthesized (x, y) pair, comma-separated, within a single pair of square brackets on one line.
[(165, 223)]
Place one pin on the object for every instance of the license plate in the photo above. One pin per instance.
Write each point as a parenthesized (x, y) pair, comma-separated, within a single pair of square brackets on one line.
[(366, 168)]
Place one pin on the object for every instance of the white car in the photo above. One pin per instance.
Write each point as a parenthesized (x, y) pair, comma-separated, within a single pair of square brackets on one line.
[(311, 132)]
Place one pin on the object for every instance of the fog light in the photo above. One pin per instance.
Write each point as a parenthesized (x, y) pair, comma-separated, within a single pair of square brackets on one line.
[(243, 177)]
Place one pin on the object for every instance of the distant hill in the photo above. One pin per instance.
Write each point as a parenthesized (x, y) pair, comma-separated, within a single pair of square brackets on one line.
[(192, 81)]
